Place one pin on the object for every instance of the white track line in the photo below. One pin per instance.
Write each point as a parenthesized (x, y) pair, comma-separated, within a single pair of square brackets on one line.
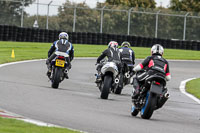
[(8, 114), (18, 62), (182, 89)]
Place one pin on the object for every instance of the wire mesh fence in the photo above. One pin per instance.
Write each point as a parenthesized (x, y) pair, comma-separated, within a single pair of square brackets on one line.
[(107, 19)]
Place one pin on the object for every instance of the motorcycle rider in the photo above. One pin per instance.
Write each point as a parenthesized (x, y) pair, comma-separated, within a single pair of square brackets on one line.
[(113, 54), (61, 45), (152, 64), (128, 57)]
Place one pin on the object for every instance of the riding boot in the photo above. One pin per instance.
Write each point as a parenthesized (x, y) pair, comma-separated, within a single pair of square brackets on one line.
[(49, 68), (49, 72), (98, 77), (136, 89)]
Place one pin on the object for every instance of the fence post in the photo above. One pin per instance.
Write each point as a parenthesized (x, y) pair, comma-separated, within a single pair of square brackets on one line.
[(47, 25), (37, 9), (101, 28), (129, 19), (184, 30), (156, 30), (74, 24), (22, 15)]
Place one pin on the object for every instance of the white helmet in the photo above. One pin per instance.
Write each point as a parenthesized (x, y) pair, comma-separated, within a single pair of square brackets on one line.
[(112, 44), (63, 35), (157, 49)]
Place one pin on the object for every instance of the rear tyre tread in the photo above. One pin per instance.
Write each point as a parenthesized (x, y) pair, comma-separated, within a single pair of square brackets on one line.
[(56, 78), (106, 87), (149, 108)]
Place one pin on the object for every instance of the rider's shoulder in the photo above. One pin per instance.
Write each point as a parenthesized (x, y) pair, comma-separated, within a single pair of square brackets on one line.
[(54, 43), (149, 57)]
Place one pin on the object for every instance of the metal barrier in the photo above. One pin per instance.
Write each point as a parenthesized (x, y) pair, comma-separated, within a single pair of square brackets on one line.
[(14, 33)]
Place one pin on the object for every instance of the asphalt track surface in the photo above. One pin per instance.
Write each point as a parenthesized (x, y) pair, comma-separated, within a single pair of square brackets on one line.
[(25, 90)]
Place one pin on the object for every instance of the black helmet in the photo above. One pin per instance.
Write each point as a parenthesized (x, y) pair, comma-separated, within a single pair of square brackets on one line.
[(125, 44)]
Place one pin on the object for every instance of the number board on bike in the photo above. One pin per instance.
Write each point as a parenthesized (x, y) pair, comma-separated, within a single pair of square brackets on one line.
[(60, 63)]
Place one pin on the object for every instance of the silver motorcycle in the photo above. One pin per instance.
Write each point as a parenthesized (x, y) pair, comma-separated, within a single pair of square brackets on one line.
[(109, 79)]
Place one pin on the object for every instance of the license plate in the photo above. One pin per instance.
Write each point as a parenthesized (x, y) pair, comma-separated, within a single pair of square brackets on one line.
[(60, 63), (156, 89)]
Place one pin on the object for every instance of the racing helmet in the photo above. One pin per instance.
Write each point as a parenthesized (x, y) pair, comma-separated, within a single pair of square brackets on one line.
[(112, 44), (157, 49), (63, 35), (125, 44)]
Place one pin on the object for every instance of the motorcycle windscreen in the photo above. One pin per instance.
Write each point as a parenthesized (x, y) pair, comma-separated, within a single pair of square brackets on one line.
[(155, 88), (60, 63)]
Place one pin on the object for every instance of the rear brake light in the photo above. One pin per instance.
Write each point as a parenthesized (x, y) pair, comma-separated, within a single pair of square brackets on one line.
[(157, 83), (61, 57)]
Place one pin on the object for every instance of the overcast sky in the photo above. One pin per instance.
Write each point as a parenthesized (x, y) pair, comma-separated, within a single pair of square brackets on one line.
[(32, 9)]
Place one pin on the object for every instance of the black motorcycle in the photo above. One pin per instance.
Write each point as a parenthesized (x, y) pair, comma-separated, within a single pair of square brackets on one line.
[(59, 65), (152, 96), (124, 79)]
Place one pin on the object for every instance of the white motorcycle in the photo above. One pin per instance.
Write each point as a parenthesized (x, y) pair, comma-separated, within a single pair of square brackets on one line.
[(109, 79)]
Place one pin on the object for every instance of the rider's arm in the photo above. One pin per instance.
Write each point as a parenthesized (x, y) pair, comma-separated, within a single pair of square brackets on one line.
[(71, 53), (168, 75), (142, 65), (52, 49), (133, 57), (103, 55)]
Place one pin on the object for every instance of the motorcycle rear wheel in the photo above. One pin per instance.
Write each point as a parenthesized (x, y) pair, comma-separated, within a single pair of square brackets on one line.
[(56, 77), (106, 87), (118, 90), (149, 107)]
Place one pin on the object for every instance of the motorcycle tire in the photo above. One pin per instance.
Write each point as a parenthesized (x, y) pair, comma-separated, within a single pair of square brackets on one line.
[(106, 87), (120, 86), (118, 90), (149, 107), (56, 77)]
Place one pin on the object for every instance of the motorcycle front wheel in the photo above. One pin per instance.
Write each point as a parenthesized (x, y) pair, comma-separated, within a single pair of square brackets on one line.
[(106, 87)]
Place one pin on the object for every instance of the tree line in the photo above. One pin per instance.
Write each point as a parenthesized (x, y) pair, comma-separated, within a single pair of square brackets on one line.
[(115, 21)]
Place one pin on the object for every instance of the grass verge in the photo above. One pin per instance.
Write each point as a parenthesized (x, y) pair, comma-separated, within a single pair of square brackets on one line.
[(193, 87), (17, 126), (29, 50)]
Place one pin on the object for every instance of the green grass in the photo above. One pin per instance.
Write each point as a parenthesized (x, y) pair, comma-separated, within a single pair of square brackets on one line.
[(193, 87), (28, 50), (17, 126)]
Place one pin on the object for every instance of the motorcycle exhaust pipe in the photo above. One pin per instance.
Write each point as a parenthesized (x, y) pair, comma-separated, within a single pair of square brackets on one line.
[(116, 81), (167, 95), (127, 75), (163, 100)]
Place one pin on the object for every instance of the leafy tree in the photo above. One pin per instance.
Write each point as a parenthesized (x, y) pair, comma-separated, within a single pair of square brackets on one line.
[(86, 19), (10, 11), (192, 6), (185, 5), (53, 22), (133, 3)]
